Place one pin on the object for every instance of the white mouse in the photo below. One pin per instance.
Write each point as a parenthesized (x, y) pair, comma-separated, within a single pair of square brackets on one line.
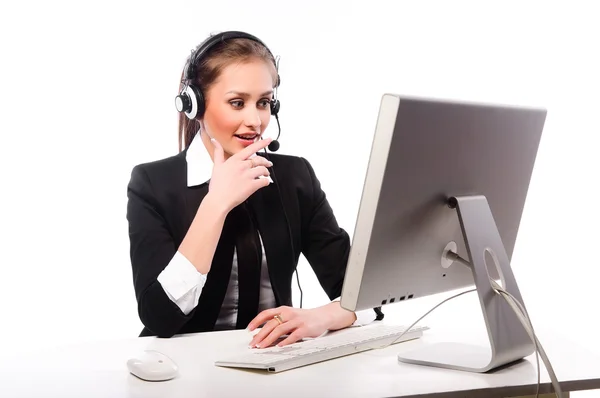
[(153, 366)]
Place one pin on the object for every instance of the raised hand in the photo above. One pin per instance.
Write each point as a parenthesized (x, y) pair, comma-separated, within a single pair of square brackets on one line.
[(235, 179)]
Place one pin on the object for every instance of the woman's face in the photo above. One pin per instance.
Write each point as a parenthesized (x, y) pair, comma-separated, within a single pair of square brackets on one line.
[(237, 106)]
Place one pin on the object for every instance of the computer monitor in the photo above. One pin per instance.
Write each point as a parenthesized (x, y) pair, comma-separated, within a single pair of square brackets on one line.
[(445, 176)]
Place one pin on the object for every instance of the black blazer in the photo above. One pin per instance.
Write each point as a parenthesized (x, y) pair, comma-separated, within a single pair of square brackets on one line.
[(161, 208)]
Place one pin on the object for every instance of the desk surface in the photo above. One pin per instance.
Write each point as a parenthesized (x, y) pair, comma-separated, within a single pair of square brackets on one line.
[(99, 370)]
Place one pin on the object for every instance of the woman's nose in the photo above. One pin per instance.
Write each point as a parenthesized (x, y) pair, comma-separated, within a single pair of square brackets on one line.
[(252, 117)]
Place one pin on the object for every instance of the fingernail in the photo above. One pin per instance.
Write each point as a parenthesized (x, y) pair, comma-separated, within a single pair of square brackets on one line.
[(270, 163), (212, 140)]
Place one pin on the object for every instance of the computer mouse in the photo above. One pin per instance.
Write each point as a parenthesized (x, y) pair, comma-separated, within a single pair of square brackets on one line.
[(153, 366)]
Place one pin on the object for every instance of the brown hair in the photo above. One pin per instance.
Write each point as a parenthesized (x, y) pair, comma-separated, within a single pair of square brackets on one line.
[(209, 69)]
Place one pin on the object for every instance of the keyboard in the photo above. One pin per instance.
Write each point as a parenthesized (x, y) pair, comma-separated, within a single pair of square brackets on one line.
[(329, 346)]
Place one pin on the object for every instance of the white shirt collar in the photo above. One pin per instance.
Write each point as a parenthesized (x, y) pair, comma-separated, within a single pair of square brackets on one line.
[(199, 163)]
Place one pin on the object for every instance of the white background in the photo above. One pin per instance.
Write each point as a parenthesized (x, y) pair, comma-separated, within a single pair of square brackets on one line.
[(87, 92)]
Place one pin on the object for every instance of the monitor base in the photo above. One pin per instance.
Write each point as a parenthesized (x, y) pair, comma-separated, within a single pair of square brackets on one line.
[(509, 341)]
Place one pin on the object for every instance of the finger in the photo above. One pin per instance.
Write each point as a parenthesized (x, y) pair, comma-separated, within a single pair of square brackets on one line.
[(256, 172), (218, 154), (264, 332), (292, 338), (257, 184), (265, 315), (261, 161), (280, 330), (252, 149)]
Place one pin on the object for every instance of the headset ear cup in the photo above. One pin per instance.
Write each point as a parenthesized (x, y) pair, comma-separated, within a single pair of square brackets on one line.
[(187, 102), (275, 107), (190, 102), (199, 100)]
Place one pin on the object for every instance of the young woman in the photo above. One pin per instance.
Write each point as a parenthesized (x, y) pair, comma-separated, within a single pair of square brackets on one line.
[(216, 230)]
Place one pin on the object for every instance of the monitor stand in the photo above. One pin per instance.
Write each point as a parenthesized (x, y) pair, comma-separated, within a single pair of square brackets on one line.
[(508, 338)]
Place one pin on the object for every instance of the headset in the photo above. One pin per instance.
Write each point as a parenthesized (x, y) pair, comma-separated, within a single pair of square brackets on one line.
[(191, 101)]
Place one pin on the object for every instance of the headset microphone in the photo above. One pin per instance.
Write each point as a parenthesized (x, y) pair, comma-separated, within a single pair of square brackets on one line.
[(274, 145)]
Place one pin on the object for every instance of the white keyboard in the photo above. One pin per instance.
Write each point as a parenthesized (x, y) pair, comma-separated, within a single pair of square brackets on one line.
[(331, 345)]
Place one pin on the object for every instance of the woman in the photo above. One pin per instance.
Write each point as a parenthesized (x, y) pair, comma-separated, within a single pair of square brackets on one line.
[(216, 231)]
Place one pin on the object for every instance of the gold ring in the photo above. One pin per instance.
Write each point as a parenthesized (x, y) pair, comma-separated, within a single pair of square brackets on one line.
[(278, 318)]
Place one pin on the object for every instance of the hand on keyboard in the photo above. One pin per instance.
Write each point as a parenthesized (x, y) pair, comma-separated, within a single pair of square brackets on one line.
[(331, 345), (298, 323)]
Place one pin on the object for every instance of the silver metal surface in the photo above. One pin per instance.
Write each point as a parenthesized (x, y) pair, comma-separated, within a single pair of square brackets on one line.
[(425, 152), (508, 338)]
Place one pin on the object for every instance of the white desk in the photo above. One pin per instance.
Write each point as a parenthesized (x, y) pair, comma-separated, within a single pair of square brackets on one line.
[(99, 370)]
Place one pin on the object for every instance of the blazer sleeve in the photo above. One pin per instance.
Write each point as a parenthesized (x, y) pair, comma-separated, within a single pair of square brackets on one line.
[(151, 249), (325, 245)]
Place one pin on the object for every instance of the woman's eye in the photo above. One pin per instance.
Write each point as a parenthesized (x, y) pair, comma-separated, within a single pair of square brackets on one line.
[(264, 103), (237, 104)]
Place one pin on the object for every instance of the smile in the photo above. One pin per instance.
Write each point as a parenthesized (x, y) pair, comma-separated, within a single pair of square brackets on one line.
[(249, 137)]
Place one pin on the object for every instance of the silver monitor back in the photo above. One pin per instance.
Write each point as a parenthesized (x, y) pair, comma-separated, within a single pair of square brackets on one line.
[(424, 152)]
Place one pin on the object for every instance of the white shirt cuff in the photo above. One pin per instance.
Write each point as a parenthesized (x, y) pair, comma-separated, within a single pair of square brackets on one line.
[(182, 282), (363, 317)]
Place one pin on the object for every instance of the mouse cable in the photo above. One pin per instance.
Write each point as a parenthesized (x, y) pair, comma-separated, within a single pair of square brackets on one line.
[(523, 317), (424, 315)]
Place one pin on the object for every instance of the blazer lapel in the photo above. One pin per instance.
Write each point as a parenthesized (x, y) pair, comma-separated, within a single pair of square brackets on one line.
[(193, 198), (267, 209)]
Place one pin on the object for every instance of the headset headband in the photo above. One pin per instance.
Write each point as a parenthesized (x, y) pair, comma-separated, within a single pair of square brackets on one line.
[(211, 42)]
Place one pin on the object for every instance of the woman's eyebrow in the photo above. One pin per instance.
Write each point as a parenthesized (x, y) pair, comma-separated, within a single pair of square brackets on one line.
[(246, 95)]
